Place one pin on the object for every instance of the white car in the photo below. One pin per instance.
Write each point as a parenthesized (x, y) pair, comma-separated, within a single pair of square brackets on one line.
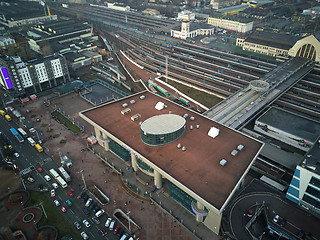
[(86, 223), (16, 154), (57, 203), (276, 218), (47, 177), (52, 193), (55, 185), (108, 222), (84, 235)]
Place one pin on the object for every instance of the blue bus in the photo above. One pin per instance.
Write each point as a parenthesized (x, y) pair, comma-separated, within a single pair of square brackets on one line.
[(17, 135)]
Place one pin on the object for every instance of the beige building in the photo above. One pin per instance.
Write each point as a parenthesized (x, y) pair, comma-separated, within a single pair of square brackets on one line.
[(152, 12), (191, 30), (231, 25), (199, 162), (276, 45)]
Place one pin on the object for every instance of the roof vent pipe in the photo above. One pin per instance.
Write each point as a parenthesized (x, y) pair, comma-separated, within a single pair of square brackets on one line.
[(183, 149), (179, 146)]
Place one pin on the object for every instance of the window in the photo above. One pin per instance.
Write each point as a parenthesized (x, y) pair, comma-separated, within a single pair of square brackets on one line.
[(316, 182)]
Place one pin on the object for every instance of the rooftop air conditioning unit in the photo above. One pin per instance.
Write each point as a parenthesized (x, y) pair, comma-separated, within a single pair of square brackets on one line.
[(179, 146), (185, 115), (240, 147), (125, 105), (192, 118), (135, 117), (142, 97), (223, 162), (132, 101), (191, 127), (183, 149), (198, 126), (125, 111), (234, 152)]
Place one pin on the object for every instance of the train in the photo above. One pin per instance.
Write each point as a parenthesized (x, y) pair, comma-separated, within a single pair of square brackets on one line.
[(159, 88)]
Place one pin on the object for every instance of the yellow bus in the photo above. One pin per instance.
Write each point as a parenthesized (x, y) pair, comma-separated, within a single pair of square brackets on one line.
[(39, 148)]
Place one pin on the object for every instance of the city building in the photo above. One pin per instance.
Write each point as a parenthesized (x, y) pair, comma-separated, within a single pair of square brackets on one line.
[(43, 34), (152, 12), (242, 26), (191, 30), (304, 188), (233, 10), (6, 40), (200, 163), (119, 7), (33, 76), (22, 13), (186, 15), (216, 4), (275, 44)]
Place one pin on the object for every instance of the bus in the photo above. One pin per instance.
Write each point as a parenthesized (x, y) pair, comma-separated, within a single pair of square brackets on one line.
[(62, 183), (22, 132), (17, 135), (53, 173), (39, 148), (31, 141)]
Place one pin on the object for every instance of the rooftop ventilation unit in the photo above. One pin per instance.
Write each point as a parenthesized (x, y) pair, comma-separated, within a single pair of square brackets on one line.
[(234, 152), (183, 149), (125, 111), (223, 162), (192, 118), (125, 105), (159, 106), (132, 101), (142, 97), (213, 132), (191, 127), (170, 112), (198, 126), (179, 146), (185, 115), (135, 117), (240, 147)]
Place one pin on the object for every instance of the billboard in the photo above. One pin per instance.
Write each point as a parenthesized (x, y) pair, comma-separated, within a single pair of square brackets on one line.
[(6, 78)]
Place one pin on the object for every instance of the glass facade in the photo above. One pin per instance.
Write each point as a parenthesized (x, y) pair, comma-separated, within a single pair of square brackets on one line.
[(120, 151), (161, 139), (181, 197), (144, 166)]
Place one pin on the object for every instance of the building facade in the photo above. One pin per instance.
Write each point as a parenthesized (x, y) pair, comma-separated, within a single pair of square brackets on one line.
[(231, 24), (191, 30), (34, 76), (304, 188)]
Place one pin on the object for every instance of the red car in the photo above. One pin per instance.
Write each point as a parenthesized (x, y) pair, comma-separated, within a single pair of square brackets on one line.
[(70, 194), (116, 229), (40, 169), (63, 209)]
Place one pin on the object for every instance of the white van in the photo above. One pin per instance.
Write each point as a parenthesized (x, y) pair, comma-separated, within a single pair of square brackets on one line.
[(47, 177), (124, 236), (111, 226), (99, 213), (31, 141)]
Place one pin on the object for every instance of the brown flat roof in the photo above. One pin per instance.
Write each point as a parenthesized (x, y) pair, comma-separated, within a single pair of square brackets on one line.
[(198, 168)]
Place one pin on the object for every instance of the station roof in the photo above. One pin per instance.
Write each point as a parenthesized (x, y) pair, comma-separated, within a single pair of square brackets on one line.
[(291, 123), (198, 168)]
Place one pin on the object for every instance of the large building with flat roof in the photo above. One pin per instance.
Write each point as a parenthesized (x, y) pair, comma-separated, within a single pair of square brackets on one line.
[(202, 162)]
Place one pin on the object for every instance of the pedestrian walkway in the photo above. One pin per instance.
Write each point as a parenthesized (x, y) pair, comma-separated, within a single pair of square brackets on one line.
[(140, 186), (25, 171)]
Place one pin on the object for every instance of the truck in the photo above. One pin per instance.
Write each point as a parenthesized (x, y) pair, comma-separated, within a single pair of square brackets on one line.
[(8, 118), (65, 174)]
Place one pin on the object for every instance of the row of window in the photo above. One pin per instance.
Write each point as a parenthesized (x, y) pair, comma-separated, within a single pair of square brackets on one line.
[(311, 201), (315, 181), (313, 192)]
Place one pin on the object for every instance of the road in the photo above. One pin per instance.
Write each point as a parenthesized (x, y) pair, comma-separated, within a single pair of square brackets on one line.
[(29, 157)]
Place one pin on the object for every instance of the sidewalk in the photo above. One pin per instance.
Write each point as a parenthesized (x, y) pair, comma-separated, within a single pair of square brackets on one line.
[(140, 186)]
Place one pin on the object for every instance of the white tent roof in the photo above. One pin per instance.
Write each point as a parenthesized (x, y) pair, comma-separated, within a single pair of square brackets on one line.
[(213, 132)]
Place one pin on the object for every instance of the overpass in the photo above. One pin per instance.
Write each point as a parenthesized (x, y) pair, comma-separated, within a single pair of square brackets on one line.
[(240, 108)]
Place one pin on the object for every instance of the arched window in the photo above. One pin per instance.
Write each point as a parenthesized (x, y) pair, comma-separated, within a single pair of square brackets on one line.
[(307, 51)]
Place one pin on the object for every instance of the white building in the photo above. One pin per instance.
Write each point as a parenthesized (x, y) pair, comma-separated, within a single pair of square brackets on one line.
[(191, 30), (231, 25), (186, 15), (118, 7)]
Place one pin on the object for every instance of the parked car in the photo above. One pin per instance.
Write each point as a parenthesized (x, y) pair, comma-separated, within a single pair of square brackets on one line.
[(116, 229), (70, 193), (16, 154), (108, 222), (84, 235), (96, 209), (95, 219), (77, 225), (47, 177), (57, 203), (86, 223), (86, 211), (30, 179), (276, 218), (63, 209), (40, 170), (52, 193), (102, 232), (68, 202), (89, 201), (55, 185)]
